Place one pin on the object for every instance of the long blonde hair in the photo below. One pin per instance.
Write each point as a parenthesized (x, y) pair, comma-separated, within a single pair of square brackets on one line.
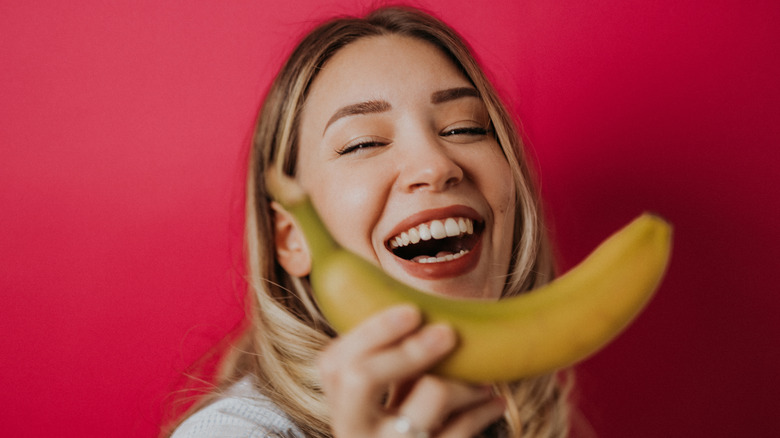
[(285, 331)]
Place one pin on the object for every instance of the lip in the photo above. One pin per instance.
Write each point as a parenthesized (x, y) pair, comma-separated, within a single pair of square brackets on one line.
[(435, 271)]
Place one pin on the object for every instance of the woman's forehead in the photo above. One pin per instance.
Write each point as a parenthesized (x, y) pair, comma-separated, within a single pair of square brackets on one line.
[(384, 68)]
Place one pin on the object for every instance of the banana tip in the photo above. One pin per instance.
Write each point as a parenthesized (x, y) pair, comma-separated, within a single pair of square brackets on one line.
[(661, 225), (657, 217)]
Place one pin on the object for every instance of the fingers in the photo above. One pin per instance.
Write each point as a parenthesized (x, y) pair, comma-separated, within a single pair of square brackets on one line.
[(394, 350), (450, 408), (413, 355), (380, 330), (473, 421), (386, 348), (432, 396), (358, 368)]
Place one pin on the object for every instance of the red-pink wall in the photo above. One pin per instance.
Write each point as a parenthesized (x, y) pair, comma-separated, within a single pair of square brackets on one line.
[(122, 127)]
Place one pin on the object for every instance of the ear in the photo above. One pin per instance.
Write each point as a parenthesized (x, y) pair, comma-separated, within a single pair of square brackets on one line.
[(291, 249)]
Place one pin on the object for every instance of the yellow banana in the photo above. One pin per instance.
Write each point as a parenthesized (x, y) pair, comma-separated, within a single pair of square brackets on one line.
[(548, 328)]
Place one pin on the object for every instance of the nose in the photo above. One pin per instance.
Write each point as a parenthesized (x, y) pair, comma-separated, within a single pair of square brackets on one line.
[(428, 165)]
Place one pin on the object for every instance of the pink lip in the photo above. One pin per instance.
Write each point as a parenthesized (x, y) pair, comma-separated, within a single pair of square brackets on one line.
[(435, 271)]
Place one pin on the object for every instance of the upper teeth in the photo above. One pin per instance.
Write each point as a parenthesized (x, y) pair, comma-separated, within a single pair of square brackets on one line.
[(437, 229)]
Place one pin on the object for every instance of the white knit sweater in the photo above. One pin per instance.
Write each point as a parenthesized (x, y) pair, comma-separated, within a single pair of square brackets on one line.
[(241, 412)]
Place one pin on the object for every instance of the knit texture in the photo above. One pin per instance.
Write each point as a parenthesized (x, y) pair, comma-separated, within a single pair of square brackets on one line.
[(241, 412)]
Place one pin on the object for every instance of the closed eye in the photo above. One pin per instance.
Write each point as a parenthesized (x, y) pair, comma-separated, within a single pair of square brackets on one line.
[(360, 145), (465, 134), (475, 130)]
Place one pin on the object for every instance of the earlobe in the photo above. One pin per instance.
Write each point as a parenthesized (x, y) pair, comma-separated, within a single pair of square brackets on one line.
[(291, 249)]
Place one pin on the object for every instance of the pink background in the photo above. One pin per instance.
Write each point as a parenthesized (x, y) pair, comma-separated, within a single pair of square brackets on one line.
[(122, 132)]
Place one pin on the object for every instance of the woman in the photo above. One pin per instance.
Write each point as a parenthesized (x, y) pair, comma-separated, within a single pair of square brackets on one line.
[(392, 128)]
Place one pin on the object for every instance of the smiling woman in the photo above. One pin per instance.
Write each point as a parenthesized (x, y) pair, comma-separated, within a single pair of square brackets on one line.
[(415, 151), (412, 162)]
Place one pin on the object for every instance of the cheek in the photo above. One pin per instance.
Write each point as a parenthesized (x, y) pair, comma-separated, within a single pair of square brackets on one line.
[(505, 210), (349, 210), (505, 198), (498, 185), (501, 194)]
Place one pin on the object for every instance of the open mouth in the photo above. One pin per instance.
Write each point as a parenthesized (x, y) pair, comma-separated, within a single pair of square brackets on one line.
[(437, 241)]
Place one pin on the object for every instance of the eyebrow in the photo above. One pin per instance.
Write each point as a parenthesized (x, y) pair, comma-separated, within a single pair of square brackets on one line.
[(380, 106), (452, 94), (368, 107)]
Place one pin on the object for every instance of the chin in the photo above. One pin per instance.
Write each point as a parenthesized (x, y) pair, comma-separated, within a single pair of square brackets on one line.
[(458, 288)]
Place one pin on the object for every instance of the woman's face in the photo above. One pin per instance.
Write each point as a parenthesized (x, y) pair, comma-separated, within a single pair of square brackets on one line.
[(397, 155)]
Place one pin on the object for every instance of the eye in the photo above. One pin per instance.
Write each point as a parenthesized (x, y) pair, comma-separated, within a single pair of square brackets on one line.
[(360, 145), (464, 132), (469, 131)]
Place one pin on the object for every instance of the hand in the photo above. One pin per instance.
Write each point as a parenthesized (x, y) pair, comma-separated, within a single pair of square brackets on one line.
[(375, 383)]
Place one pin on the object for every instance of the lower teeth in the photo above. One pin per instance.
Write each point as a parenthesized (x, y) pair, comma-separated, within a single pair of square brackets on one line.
[(446, 258)]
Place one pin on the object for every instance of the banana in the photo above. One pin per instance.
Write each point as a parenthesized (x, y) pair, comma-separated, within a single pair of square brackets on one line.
[(552, 327)]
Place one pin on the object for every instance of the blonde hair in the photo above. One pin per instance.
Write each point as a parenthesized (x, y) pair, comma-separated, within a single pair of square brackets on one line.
[(285, 330)]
